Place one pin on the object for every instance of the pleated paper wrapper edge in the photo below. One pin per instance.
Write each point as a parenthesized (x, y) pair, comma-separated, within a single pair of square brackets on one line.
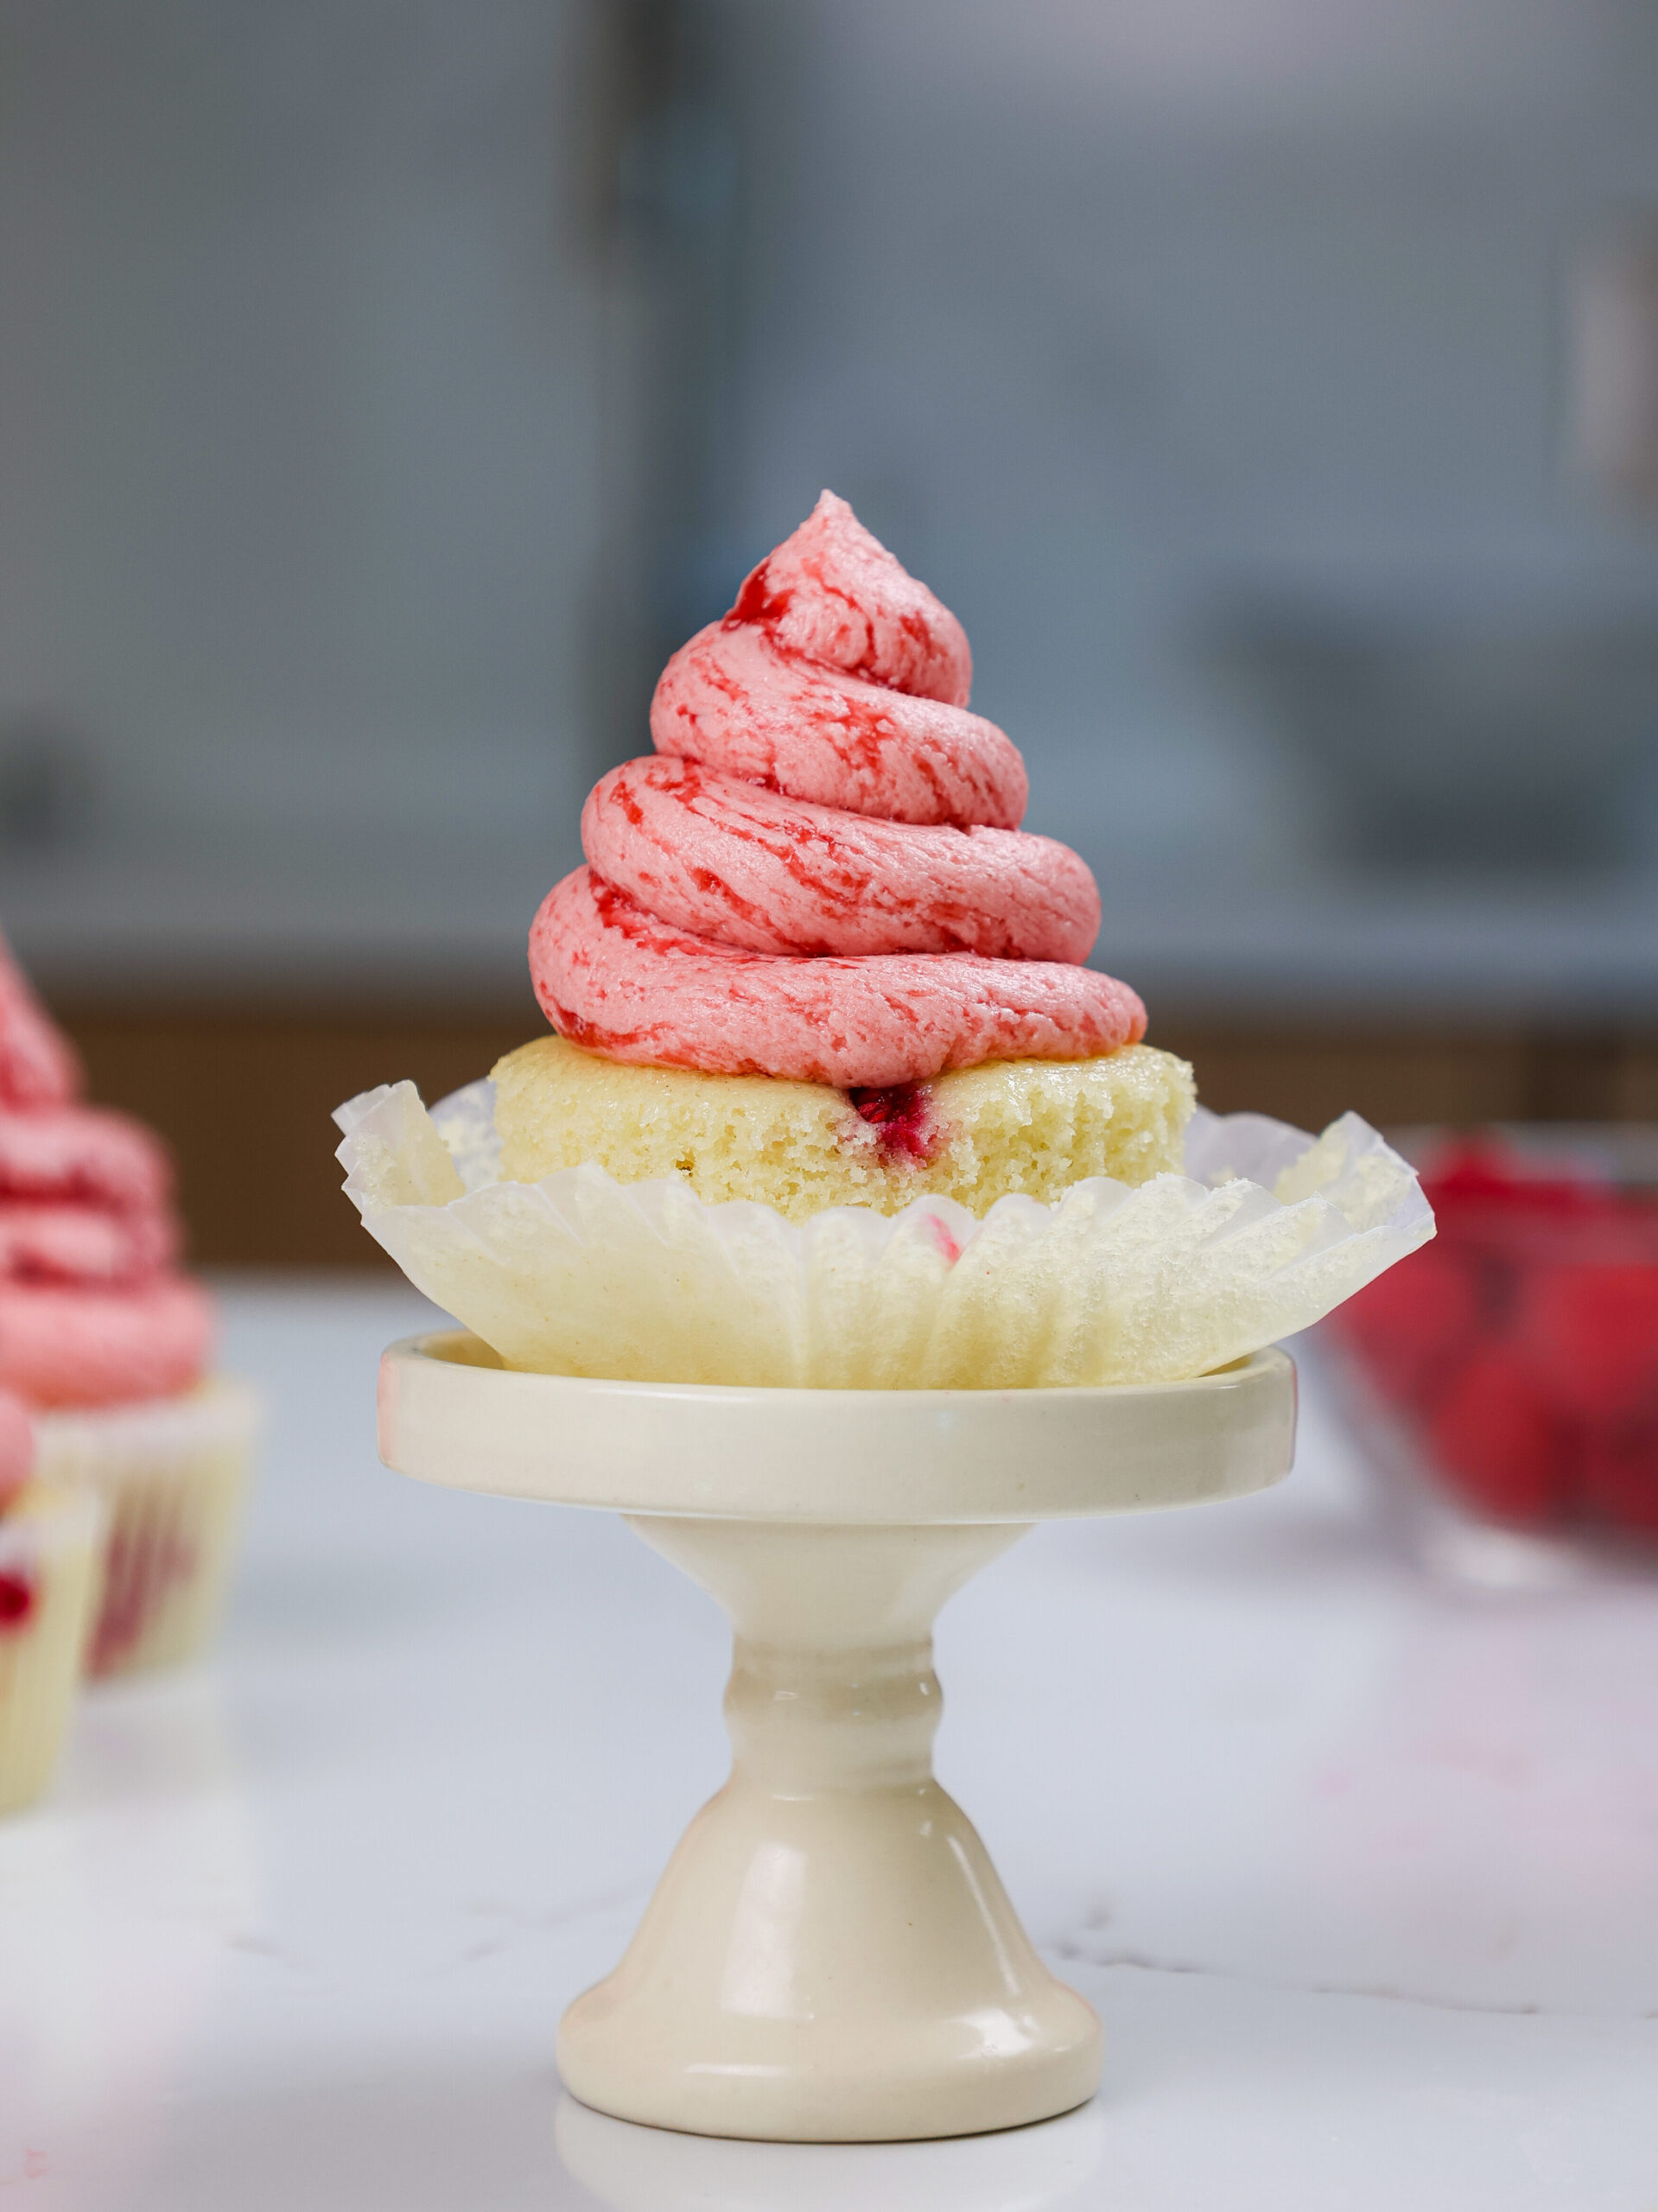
[(1265, 1231)]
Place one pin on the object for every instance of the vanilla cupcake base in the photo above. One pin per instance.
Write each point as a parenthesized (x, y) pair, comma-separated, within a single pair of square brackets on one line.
[(577, 1274), (974, 1135), (51, 1545), (172, 1475)]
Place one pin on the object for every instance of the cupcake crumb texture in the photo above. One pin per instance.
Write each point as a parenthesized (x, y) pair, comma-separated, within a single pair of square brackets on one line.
[(973, 1135)]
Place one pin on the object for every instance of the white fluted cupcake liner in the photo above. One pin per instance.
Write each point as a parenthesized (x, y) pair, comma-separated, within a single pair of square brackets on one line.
[(579, 1274), (172, 1477), (51, 1553)]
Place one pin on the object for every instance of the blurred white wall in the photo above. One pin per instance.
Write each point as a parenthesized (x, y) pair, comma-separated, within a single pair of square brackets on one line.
[(1113, 317), (298, 485), (1113, 314)]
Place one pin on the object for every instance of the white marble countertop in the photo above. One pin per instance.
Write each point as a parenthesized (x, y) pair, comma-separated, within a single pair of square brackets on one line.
[(1363, 1880)]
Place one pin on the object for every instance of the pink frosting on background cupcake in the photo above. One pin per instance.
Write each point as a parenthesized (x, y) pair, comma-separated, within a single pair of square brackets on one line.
[(92, 1309)]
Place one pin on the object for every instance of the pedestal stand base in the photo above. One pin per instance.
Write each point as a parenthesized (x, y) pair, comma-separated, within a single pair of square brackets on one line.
[(829, 1957)]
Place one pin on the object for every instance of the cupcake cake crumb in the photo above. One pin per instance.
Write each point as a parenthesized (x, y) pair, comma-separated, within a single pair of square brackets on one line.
[(973, 1135)]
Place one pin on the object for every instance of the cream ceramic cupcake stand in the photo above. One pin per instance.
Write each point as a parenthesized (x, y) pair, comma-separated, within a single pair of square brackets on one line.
[(829, 1955)]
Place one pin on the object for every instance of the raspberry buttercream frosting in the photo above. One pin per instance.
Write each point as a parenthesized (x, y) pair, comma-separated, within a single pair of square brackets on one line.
[(820, 875), (93, 1310)]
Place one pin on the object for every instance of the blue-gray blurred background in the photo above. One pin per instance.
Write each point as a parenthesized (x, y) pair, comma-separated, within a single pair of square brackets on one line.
[(388, 385)]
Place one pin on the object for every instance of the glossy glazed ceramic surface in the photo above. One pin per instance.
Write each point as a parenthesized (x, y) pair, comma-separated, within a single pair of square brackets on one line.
[(450, 1413), (830, 1956)]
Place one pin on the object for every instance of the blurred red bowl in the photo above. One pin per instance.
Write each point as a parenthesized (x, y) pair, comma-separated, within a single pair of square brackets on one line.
[(1518, 1352)]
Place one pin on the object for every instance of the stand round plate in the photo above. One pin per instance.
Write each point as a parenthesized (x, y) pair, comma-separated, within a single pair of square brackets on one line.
[(829, 1957)]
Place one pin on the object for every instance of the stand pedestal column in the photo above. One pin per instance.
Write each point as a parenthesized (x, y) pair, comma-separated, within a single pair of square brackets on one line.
[(829, 1955)]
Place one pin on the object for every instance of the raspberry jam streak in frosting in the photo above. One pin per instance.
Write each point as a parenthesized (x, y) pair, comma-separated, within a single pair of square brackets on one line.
[(821, 873), (92, 1311)]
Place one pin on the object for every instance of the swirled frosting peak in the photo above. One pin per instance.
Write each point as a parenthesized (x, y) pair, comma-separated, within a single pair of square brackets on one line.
[(821, 873)]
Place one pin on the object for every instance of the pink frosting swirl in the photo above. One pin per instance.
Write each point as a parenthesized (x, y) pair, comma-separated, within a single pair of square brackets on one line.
[(92, 1311), (733, 861), (821, 874)]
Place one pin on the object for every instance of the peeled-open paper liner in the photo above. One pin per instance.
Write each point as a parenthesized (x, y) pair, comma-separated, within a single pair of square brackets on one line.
[(1265, 1231)]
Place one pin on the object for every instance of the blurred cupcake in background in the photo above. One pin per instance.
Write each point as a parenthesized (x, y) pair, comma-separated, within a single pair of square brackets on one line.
[(109, 1343), (50, 1542)]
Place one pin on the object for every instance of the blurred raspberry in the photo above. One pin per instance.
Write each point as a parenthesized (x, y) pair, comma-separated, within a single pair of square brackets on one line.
[(1499, 1441), (1412, 1326), (1471, 1178), (1591, 1328), (1618, 1477)]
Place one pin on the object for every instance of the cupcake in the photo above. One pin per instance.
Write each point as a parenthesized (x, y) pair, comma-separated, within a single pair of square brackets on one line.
[(49, 1547), (830, 1097), (109, 1343), (813, 960)]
